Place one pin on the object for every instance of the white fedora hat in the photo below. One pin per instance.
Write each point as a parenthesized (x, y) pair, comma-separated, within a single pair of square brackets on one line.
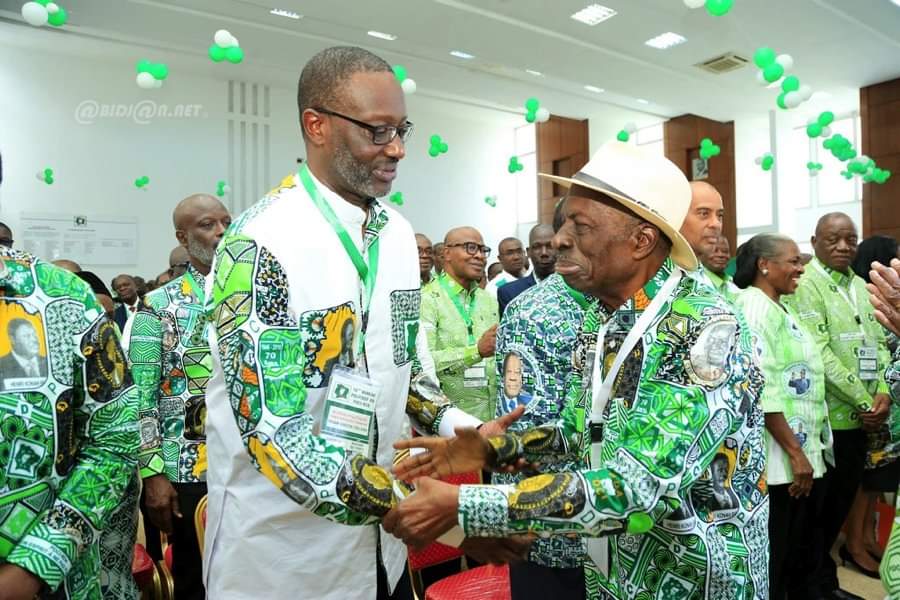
[(645, 183)]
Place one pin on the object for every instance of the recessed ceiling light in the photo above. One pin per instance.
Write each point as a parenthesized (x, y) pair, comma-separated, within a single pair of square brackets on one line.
[(383, 36), (642, 101), (897, 2), (594, 88), (280, 12), (533, 72), (594, 14), (666, 40), (461, 54)]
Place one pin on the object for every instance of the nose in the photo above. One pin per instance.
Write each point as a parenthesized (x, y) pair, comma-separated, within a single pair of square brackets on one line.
[(396, 148), (560, 241), (221, 226)]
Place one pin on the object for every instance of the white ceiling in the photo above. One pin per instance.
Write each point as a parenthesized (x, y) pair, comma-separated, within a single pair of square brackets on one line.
[(838, 46)]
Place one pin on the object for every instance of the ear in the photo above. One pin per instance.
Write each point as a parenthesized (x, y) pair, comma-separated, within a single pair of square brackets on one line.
[(812, 241), (315, 126), (645, 239), (762, 264), (181, 236)]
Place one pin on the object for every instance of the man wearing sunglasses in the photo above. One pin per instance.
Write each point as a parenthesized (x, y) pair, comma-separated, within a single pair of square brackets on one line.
[(460, 320), (313, 307)]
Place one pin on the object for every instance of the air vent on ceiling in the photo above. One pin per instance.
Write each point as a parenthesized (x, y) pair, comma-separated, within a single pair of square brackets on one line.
[(723, 64)]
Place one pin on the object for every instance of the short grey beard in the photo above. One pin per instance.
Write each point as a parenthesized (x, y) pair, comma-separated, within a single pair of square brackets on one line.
[(354, 175), (200, 252)]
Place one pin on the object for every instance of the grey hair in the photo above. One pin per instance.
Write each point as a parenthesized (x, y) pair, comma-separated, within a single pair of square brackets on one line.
[(762, 245)]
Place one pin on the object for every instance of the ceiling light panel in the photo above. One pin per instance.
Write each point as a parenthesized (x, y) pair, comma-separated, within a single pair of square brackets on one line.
[(383, 36), (461, 54), (665, 40), (594, 14), (280, 12)]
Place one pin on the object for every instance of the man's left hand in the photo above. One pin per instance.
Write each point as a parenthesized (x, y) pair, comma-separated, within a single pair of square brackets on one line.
[(499, 425), (18, 584), (875, 418), (426, 514)]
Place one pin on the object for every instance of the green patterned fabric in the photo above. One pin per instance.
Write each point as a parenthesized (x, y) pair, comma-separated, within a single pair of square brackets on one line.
[(535, 342), (831, 320), (171, 364), (795, 383), (68, 418), (723, 285), (890, 562), (452, 349), (680, 484)]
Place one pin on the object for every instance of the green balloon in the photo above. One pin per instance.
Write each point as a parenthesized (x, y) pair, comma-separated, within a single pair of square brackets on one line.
[(59, 18), (144, 66), (773, 72), (790, 83), (532, 105), (434, 151), (763, 57), (768, 162), (400, 72), (623, 136), (813, 130), (43, 2), (826, 118), (706, 142), (780, 101), (530, 116), (717, 8), (234, 54), (444, 147), (159, 71), (48, 172), (435, 140), (216, 53)]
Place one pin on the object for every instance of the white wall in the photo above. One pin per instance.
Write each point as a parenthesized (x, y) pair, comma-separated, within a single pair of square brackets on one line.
[(96, 164)]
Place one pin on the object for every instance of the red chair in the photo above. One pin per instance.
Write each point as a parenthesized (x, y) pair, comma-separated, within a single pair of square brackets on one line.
[(481, 583)]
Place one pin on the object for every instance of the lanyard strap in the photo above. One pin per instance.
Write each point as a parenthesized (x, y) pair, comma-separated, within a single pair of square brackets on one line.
[(197, 289), (851, 300), (465, 314), (578, 296), (602, 392), (367, 272)]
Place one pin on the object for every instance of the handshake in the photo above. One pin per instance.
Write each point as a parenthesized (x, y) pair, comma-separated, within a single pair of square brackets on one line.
[(432, 509)]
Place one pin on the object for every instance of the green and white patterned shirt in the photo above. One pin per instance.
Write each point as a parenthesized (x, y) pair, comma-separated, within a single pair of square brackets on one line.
[(834, 307), (171, 364), (455, 349), (795, 382), (68, 424), (680, 485)]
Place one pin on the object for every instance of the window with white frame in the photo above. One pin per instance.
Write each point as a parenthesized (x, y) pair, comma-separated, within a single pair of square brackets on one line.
[(828, 187)]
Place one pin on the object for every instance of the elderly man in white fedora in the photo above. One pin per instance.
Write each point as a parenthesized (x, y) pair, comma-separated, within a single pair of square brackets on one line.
[(663, 397)]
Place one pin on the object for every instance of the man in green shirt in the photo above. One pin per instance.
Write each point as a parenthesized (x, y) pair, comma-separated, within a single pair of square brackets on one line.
[(831, 302), (715, 262), (460, 320)]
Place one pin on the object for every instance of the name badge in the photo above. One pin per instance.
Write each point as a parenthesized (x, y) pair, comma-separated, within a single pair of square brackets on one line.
[(868, 362), (851, 336), (475, 376), (350, 410)]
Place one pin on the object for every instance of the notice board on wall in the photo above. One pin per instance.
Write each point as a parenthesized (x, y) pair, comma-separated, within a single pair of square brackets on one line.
[(100, 241)]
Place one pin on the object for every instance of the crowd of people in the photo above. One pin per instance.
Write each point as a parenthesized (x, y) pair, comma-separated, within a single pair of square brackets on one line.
[(651, 418)]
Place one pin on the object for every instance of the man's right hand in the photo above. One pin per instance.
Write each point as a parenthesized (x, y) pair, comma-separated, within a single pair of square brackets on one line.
[(487, 345), (162, 502)]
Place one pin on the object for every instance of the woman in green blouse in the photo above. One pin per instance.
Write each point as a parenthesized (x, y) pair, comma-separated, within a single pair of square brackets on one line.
[(797, 430)]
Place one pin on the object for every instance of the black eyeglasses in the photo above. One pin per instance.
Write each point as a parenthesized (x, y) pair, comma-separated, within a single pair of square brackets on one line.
[(426, 252), (471, 248), (381, 134)]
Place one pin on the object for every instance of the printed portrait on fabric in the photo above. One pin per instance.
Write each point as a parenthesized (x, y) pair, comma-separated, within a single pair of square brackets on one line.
[(327, 342), (23, 349), (515, 365), (715, 493), (708, 363)]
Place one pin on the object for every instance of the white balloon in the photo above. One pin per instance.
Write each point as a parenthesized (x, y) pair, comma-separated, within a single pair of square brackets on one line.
[(223, 38), (805, 92), (52, 8), (694, 3), (408, 85), (792, 99), (226, 189), (234, 42), (630, 127), (826, 132), (39, 175), (35, 14), (786, 61), (146, 81), (157, 83), (759, 160), (542, 115), (760, 78), (813, 172)]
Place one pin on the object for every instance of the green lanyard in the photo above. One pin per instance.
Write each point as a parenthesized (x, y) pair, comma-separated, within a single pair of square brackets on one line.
[(201, 293), (465, 314), (367, 272)]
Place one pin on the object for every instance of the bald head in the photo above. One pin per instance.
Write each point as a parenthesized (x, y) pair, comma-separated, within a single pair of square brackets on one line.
[(68, 265), (462, 266), (835, 241), (200, 222), (702, 226), (178, 256)]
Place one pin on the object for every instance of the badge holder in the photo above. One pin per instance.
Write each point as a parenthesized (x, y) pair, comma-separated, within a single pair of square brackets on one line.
[(867, 357), (349, 411)]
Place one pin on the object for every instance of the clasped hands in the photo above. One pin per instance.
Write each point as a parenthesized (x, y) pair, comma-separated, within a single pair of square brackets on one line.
[(432, 509)]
